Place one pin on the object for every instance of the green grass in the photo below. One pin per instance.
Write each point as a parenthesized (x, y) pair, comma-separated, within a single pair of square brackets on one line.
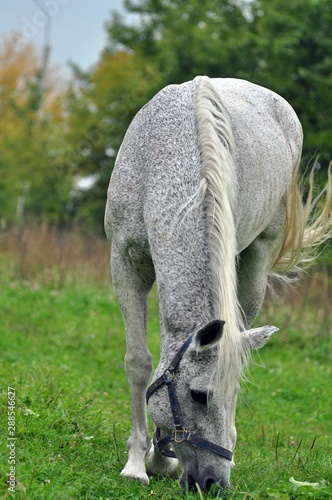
[(62, 346)]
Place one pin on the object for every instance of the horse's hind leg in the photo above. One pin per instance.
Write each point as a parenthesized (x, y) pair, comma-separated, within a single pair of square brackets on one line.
[(255, 265), (132, 293)]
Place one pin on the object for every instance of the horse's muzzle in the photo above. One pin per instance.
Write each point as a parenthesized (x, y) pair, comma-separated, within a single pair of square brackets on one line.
[(205, 481)]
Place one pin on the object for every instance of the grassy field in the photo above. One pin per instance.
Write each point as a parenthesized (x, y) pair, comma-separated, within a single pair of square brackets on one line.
[(62, 346)]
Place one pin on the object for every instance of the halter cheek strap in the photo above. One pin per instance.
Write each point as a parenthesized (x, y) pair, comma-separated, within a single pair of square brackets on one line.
[(180, 434)]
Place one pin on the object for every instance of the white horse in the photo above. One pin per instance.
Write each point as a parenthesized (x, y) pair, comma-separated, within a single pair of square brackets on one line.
[(204, 199)]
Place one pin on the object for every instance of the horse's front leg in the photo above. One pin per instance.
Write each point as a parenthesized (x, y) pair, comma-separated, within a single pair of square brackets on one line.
[(158, 464), (132, 295)]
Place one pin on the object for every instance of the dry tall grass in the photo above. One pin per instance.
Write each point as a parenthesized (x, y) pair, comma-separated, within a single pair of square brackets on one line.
[(304, 307), (52, 255)]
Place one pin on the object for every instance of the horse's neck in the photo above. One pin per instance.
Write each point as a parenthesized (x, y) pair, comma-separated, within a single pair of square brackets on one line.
[(175, 219), (184, 289)]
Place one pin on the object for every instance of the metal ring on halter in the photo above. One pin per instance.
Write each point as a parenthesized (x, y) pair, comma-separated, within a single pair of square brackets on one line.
[(183, 432)]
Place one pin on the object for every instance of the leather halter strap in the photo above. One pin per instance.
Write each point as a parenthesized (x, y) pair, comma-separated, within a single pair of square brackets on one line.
[(180, 433)]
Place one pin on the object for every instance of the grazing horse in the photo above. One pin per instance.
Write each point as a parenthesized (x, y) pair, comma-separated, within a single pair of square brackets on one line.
[(204, 200)]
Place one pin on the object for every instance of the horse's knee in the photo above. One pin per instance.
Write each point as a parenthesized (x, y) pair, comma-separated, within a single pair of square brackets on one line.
[(138, 367)]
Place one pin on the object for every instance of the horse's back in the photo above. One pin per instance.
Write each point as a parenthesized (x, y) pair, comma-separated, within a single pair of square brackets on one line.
[(268, 140), (158, 167)]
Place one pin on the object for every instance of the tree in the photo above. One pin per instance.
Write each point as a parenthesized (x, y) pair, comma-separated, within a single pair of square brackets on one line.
[(285, 46), (101, 105), (183, 38), (292, 48), (30, 184)]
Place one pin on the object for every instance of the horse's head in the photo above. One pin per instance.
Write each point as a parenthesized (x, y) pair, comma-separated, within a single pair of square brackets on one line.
[(186, 402)]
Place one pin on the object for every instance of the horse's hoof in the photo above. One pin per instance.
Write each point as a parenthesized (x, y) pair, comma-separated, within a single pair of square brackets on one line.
[(134, 474)]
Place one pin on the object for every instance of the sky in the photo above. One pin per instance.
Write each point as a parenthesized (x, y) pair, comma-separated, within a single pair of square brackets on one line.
[(76, 27)]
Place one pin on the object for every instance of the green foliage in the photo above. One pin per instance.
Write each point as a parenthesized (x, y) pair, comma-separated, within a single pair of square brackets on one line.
[(30, 182), (100, 111), (282, 45), (291, 50), (185, 38)]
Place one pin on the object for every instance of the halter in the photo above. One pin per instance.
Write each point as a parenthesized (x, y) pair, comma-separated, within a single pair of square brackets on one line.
[(180, 433)]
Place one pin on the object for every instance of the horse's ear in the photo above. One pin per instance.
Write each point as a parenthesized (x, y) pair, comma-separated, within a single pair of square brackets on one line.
[(257, 337), (208, 336)]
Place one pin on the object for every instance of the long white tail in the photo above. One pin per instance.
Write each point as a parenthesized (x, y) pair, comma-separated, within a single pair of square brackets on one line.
[(308, 225)]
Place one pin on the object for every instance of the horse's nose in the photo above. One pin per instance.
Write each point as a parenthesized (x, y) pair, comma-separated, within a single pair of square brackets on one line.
[(208, 482), (219, 484), (190, 481)]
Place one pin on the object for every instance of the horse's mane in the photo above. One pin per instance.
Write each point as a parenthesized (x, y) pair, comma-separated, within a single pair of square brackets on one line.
[(218, 188)]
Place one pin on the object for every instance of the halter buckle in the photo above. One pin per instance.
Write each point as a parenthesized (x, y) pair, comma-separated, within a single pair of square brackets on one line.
[(179, 436)]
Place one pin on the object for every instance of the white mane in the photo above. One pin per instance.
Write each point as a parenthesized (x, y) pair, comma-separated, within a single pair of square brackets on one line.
[(219, 187)]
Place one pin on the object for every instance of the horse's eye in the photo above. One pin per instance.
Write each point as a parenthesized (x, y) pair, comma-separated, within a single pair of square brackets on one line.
[(199, 397)]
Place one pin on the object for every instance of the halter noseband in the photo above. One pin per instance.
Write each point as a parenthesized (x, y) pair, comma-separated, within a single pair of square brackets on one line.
[(180, 433)]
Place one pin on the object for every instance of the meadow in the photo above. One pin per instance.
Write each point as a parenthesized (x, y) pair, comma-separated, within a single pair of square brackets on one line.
[(62, 346)]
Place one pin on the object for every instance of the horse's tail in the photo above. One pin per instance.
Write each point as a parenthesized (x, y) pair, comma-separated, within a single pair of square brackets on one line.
[(307, 225), (218, 189)]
